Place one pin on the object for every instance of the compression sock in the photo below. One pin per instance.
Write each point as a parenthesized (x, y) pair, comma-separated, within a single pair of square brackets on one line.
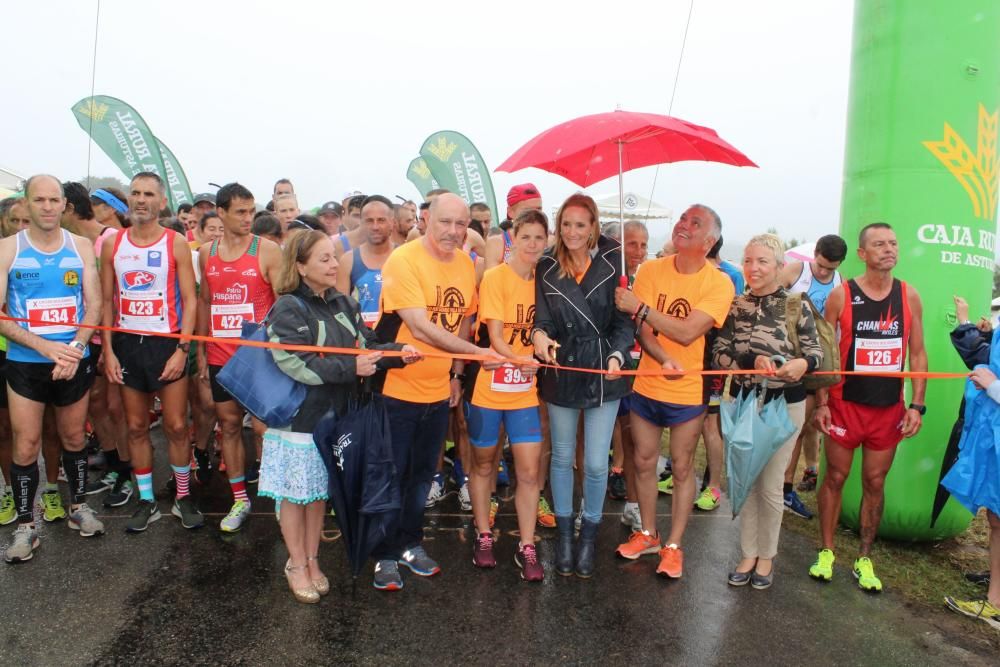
[(787, 488), (75, 465), (113, 460), (239, 487), (24, 480), (144, 480), (183, 476)]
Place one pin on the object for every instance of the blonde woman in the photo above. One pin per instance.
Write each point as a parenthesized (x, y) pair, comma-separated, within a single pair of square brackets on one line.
[(310, 311), (755, 331), (577, 324)]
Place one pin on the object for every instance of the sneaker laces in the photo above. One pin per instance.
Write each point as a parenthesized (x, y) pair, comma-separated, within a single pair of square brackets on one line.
[(236, 509), (543, 506), (484, 541), (529, 554)]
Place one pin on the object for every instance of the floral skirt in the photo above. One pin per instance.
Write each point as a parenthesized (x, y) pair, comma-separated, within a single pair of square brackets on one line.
[(291, 468)]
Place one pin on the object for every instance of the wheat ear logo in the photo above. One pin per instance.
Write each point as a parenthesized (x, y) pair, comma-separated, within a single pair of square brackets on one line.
[(442, 149), (93, 110), (977, 173), (421, 170)]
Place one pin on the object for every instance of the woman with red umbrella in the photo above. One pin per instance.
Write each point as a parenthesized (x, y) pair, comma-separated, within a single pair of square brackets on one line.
[(578, 325)]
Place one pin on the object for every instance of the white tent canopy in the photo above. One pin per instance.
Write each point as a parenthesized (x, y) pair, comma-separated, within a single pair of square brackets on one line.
[(636, 207), (9, 182)]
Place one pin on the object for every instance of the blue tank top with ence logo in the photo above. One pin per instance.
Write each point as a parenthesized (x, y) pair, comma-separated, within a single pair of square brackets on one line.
[(367, 287), (46, 288)]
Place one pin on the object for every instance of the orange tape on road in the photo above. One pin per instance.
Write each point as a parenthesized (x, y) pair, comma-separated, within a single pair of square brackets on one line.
[(927, 375)]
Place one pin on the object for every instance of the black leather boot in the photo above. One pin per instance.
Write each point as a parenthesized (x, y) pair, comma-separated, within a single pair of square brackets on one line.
[(585, 549), (564, 546)]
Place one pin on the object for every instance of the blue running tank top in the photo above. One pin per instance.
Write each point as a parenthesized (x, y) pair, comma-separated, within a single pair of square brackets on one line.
[(366, 288), (46, 288)]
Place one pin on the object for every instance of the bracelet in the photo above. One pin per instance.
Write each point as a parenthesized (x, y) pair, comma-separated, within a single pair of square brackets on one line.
[(637, 309), (457, 376), (78, 345), (645, 314)]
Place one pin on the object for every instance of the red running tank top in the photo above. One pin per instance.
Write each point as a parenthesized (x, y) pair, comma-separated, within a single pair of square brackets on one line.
[(239, 293)]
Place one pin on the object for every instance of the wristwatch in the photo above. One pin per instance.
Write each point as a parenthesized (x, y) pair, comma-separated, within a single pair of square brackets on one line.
[(921, 409), (78, 345), (184, 347)]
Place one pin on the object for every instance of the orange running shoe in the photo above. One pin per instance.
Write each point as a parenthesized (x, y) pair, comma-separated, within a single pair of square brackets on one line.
[(671, 561), (494, 508), (640, 543), (546, 518)]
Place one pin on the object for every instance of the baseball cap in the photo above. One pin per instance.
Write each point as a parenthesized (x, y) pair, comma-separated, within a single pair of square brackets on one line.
[(333, 207), (204, 196), (109, 199), (522, 192)]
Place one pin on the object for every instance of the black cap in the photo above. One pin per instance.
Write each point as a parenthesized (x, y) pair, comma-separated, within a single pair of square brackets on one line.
[(331, 207), (204, 196)]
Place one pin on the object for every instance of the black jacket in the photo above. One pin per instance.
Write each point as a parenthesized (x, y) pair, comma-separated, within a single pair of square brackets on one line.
[(331, 320), (972, 345), (583, 319)]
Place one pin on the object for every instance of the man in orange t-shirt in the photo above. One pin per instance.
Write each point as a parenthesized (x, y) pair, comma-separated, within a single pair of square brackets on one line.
[(676, 300), (428, 296)]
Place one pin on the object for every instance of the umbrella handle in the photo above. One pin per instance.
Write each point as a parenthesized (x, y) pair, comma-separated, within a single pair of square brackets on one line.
[(778, 359)]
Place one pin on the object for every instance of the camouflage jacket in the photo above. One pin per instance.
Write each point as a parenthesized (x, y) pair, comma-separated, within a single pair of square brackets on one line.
[(757, 325)]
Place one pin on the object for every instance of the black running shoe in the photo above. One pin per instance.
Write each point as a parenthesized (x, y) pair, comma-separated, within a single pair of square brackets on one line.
[(253, 472), (121, 493), (204, 460)]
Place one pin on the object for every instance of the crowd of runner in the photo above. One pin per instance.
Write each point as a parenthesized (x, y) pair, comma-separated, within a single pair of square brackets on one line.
[(444, 277)]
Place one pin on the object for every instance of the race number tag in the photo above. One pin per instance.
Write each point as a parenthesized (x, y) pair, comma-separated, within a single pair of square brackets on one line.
[(370, 318), (636, 352), (58, 312), (228, 319), (509, 379), (878, 354), (141, 307)]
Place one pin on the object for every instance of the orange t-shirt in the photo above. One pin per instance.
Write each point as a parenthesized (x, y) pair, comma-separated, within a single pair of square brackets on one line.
[(413, 278), (659, 285), (506, 296)]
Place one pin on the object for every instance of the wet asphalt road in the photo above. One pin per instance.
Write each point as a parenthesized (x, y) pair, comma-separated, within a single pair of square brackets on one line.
[(176, 597)]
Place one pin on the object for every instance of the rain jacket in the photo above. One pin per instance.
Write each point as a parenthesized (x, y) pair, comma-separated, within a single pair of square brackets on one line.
[(756, 325), (331, 319), (583, 319)]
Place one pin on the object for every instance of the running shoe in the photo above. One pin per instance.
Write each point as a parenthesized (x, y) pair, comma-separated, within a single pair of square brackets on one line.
[(8, 510), (981, 610), (102, 484), (526, 558), (671, 562), (616, 484), (419, 562), (977, 578), (237, 516), (387, 576), (494, 508), (666, 485), (482, 551), (436, 493), (23, 544), (147, 513), (253, 472), (464, 499), (503, 477), (189, 514), (808, 482), (546, 517), (864, 572), (640, 543), (121, 493), (822, 569), (794, 505), (85, 520), (204, 460), (631, 516), (52, 506), (709, 499)]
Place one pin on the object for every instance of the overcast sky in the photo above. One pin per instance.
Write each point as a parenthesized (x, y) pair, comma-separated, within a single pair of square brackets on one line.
[(340, 96)]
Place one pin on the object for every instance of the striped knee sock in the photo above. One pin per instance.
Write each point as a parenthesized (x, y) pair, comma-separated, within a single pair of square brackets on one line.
[(144, 480), (183, 476), (239, 487)]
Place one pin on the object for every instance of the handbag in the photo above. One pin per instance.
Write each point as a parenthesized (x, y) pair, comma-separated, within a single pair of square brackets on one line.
[(252, 377), (824, 333)]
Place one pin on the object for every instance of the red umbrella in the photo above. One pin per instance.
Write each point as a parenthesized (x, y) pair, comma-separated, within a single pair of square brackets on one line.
[(589, 149)]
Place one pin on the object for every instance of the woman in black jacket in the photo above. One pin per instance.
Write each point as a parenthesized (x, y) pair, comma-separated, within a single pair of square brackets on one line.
[(310, 311), (577, 325)]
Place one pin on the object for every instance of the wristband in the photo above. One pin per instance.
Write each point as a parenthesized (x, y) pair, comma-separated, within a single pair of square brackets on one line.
[(457, 376), (637, 309), (645, 314)]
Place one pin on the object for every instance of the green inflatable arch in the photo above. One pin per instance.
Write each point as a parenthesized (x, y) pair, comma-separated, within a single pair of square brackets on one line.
[(922, 155)]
